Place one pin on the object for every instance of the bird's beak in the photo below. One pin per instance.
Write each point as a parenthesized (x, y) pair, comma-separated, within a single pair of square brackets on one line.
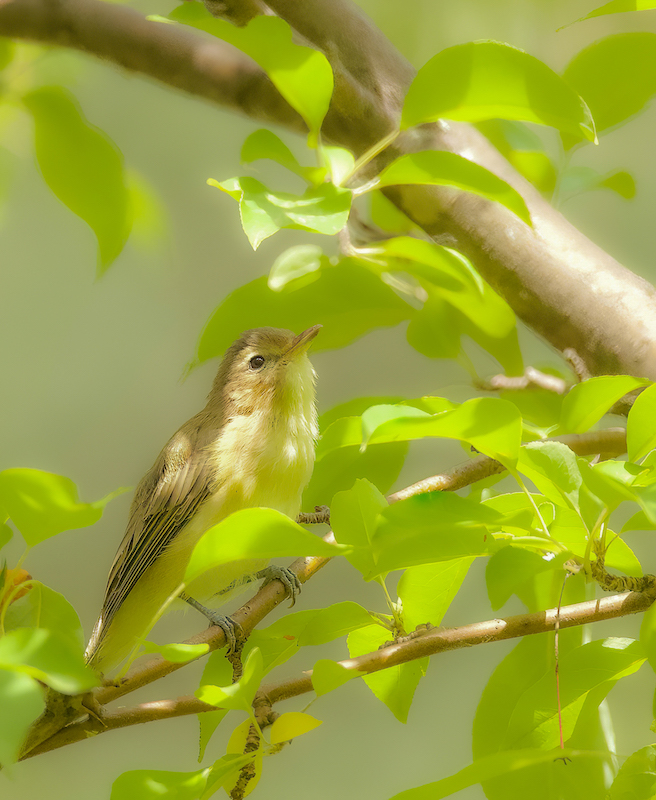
[(302, 342)]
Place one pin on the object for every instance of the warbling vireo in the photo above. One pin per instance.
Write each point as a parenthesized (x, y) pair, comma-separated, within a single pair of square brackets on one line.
[(252, 445)]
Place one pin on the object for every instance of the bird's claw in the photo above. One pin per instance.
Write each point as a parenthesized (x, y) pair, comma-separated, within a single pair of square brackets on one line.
[(232, 630), (286, 576)]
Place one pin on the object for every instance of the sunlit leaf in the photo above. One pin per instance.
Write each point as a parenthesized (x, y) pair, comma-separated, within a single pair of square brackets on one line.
[(394, 686), (616, 76), (253, 534), (427, 591), (292, 724), (264, 143), (329, 675), (618, 7), (177, 653), (637, 776), (301, 262), (42, 607), (238, 695), (490, 425), (42, 504), (587, 402), (151, 784), (576, 180), (487, 80), (48, 657), (484, 769), (354, 515), (321, 209), (641, 425), (347, 299), (437, 526), (83, 167), (21, 700), (302, 75), (438, 167)]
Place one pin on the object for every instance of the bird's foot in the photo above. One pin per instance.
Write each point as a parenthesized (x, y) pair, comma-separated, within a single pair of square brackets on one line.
[(286, 576), (232, 630)]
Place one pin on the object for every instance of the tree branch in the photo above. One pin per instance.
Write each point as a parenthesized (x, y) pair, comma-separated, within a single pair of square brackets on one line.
[(252, 613), (428, 643), (561, 284)]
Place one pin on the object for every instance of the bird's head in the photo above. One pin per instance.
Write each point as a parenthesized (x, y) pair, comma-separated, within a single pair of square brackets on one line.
[(267, 370)]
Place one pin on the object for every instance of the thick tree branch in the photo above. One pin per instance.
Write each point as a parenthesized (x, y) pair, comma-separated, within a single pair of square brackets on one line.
[(561, 284)]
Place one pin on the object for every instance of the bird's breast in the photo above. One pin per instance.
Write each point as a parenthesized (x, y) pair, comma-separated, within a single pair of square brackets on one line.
[(263, 460)]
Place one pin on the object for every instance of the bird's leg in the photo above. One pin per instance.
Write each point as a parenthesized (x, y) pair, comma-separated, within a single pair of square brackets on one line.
[(286, 576), (231, 629)]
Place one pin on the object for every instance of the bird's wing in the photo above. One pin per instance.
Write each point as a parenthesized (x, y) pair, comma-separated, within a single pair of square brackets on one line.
[(165, 501)]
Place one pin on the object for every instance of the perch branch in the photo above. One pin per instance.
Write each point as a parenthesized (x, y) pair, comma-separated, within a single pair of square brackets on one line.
[(430, 643)]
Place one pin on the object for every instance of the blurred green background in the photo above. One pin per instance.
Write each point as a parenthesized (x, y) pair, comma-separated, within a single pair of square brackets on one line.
[(91, 389)]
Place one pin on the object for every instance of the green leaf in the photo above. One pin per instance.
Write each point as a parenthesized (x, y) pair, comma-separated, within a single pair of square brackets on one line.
[(641, 425), (554, 469), (587, 402), (512, 570), (354, 516), (618, 7), (292, 724), (441, 168), (299, 263), (524, 149), (576, 180), (329, 675), (338, 470), (321, 209), (616, 76), (427, 591), (340, 163), (637, 776), (437, 526), (22, 703), (225, 771), (41, 504), (48, 657), (83, 168), (302, 75), (6, 534), (484, 769), (441, 266), (492, 426), (648, 635), (532, 714), (152, 784), (238, 695), (334, 621), (263, 143), (347, 299), (255, 533), (216, 672), (486, 80), (177, 653), (394, 686), (42, 607)]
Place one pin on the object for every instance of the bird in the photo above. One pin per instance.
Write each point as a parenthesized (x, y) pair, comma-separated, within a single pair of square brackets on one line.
[(251, 445)]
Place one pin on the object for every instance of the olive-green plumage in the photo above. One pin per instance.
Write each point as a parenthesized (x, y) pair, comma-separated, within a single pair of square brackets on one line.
[(252, 445)]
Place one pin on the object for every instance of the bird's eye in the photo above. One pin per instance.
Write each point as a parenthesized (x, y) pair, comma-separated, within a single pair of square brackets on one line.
[(257, 362)]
